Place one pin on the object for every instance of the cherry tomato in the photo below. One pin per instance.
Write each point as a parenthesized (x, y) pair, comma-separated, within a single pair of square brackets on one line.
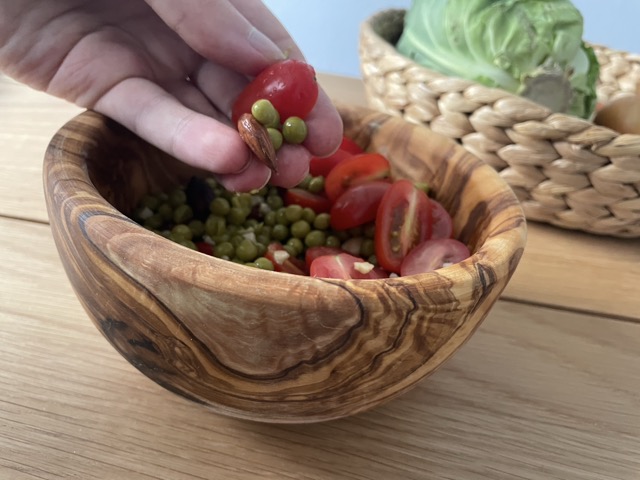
[(342, 265), (358, 205), (350, 146), (322, 166), (317, 202), (442, 224), (355, 170), (282, 262), (290, 85), (403, 221), (433, 254), (314, 252)]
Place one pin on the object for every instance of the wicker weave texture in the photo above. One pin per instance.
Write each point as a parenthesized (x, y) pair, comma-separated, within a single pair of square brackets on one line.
[(566, 171)]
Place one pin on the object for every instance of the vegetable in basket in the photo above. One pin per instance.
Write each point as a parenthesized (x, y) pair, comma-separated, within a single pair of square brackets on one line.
[(532, 48)]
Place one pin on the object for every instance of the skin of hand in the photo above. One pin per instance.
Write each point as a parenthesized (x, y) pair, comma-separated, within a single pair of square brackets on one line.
[(167, 70)]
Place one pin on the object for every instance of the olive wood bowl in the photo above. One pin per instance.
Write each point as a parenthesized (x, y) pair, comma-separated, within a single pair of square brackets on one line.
[(268, 346)]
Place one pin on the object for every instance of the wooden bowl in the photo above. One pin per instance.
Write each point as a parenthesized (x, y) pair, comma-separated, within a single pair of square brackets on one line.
[(262, 345)]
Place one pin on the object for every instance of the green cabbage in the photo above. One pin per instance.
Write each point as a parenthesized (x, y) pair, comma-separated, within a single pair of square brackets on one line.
[(532, 48)]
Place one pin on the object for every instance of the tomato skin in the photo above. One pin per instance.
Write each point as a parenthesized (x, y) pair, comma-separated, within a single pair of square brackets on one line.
[(205, 248), (290, 265), (290, 85), (403, 221), (355, 170), (358, 204), (342, 266), (442, 223), (433, 254), (322, 166), (348, 145), (317, 202)]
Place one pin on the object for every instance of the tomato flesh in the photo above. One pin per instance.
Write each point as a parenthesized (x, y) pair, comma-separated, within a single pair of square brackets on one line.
[(322, 166), (434, 254), (358, 205), (344, 266), (282, 262), (314, 252), (350, 146), (403, 221), (442, 223), (290, 85), (355, 170), (317, 202)]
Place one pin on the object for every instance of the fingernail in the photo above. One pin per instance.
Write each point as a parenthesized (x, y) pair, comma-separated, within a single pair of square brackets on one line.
[(265, 46)]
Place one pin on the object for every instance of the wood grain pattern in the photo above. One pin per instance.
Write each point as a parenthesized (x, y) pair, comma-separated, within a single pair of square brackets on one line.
[(535, 394), (263, 345)]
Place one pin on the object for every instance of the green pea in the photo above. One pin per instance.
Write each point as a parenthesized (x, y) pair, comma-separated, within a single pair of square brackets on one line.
[(274, 201), (276, 138), (293, 213), (367, 248), (308, 215), (264, 263), (265, 113), (237, 215), (224, 237), (188, 244), (296, 244), (154, 221), (263, 238), (165, 211), (262, 248), (300, 229), (177, 197), (281, 216), (294, 130), (236, 240), (247, 250), (224, 250), (322, 221), (242, 200), (315, 238), (332, 241), (316, 184), (196, 227), (182, 231), (304, 184), (369, 230), (150, 201), (270, 219), (214, 225), (355, 232), (219, 206), (279, 232), (182, 213)]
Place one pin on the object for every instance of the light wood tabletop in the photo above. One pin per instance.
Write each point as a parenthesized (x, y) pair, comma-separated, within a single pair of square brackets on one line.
[(547, 388)]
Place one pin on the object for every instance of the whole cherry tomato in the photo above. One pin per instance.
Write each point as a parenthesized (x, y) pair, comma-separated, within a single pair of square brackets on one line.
[(403, 221), (355, 170), (358, 204), (433, 254), (442, 224), (317, 202), (290, 85), (343, 265)]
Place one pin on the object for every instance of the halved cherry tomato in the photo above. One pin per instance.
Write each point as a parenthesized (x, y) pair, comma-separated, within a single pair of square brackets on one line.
[(355, 170), (358, 204), (403, 221), (442, 224), (350, 146), (290, 85), (342, 265), (322, 166), (433, 254), (282, 262), (204, 247), (317, 202), (314, 252)]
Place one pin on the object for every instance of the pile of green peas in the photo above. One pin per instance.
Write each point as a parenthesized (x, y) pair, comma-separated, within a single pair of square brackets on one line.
[(239, 227)]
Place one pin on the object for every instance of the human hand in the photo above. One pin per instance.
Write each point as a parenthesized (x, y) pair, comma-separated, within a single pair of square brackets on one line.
[(167, 70)]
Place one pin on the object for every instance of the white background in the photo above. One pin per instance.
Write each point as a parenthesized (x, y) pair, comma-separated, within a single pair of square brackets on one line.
[(327, 30)]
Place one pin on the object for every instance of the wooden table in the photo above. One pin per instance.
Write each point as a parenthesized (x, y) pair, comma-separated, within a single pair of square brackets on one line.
[(548, 388)]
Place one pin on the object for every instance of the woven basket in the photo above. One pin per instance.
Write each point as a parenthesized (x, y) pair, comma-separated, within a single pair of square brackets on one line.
[(566, 171)]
